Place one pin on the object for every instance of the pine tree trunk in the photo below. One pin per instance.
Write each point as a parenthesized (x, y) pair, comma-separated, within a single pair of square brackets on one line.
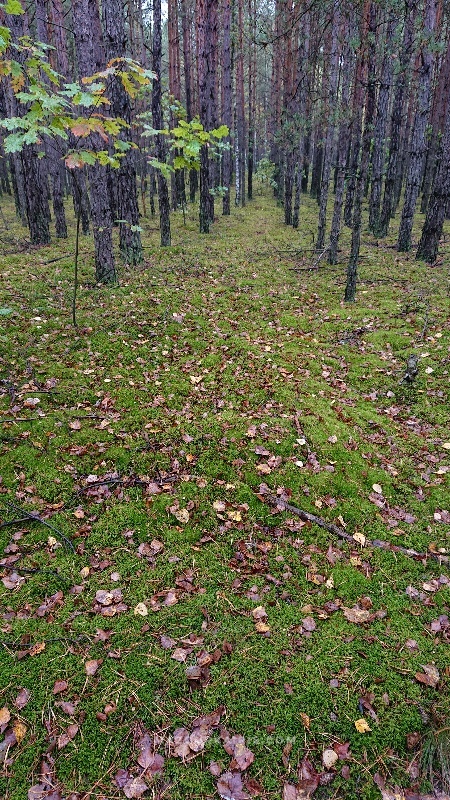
[(29, 174), (441, 102), (157, 119), (342, 147), (379, 138), (53, 157), (356, 132), (227, 104), (90, 57), (329, 139), (240, 102), (388, 205), (418, 140), (439, 203), (352, 267), (126, 186)]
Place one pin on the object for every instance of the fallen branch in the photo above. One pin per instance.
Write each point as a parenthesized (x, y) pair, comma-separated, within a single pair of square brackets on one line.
[(36, 518), (282, 505)]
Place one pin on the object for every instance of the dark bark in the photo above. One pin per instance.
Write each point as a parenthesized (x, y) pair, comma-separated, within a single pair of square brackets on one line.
[(418, 139), (342, 147), (126, 186), (441, 102), (352, 267), (379, 137), (157, 119), (439, 203), (53, 150), (28, 170), (388, 205), (227, 104), (90, 57), (330, 135)]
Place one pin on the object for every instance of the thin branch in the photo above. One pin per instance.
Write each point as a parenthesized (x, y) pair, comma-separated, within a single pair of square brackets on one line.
[(282, 505)]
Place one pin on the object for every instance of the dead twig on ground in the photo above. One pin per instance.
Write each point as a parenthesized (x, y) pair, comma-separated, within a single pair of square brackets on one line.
[(282, 505)]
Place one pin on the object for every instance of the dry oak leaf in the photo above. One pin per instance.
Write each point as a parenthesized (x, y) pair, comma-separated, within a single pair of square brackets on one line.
[(182, 515), (430, 675)]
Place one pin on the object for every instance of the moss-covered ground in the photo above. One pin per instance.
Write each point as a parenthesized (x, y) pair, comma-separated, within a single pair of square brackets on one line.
[(220, 346)]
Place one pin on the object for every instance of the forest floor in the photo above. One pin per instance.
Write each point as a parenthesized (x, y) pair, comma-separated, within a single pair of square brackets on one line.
[(150, 439)]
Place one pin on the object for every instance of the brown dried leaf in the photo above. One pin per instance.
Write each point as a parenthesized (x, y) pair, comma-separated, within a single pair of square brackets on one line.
[(430, 676)]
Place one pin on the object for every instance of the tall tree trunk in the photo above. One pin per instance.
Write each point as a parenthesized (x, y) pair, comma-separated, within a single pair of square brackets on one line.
[(356, 131), (252, 18), (127, 202), (90, 57), (379, 138), (240, 103), (227, 104), (53, 157), (186, 22), (342, 146), (302, 91), (439, 203), (368, 55), (29, 173), (388, 205), (157, 119), (440, 105), (418, 140), (329, 139)]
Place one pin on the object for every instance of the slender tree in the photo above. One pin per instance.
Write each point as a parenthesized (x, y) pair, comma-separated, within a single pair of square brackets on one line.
[(90, 58), (157, 118), (418, 140), (127, 203)]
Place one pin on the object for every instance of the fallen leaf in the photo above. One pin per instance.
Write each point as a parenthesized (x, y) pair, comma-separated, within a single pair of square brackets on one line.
[(22, 699), (5, 716), (356, 615), (60, 686), (377, 488), (92, 666), (141, 610), (329, 758), (360, 538), (362, 725), (230, 786), (135, 788), (19, 729), (430, 675), (182, 515)]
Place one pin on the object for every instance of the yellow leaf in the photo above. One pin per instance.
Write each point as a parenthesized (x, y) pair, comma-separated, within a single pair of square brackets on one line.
[(182, 515), (141, 610), (377, 488), (362, 726), (19, 730), (305, 719), (235, 516), (446, 445), (360, 538)]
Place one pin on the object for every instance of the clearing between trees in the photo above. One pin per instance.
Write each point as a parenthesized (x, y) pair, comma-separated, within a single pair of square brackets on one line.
[(171, 626)]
